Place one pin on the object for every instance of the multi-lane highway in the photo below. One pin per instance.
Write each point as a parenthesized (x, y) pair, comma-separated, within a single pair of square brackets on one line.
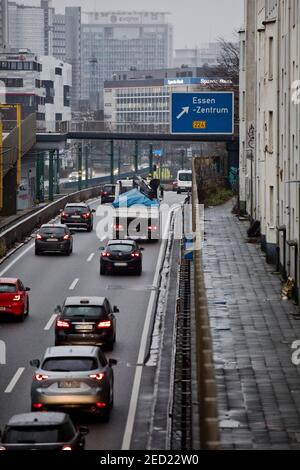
[(54, 277)]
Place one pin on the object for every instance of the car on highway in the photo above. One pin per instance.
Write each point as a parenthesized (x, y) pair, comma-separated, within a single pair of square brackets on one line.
[(108, 193), (121, 255), (54, 238), (78, 215), (14, 298), (73, 377), (86, 321), (184, 181), (42, 431)]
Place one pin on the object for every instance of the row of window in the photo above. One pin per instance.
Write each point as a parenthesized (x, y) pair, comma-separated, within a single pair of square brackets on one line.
[(5, 65), (12, 82)]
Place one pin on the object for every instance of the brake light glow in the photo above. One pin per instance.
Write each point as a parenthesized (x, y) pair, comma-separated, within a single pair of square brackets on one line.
[(104, 193), (16, 298), (41, 377), (118, 227), (86, 216), (2, 448), (98, 377), (67, 237), (101, 405), (67, 448), (39, 237), (104, 324), (37, 406), (105, 254), (64, 214), (62, 324), (152, 227), (135, 254)]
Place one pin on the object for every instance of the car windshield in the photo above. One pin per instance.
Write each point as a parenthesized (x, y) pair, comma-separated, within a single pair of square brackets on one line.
[(87, 311), (77, 209), (70, 364), (38, 434), (185, 177), (8, 288), (53, 231), (121, 248), (110, 189)]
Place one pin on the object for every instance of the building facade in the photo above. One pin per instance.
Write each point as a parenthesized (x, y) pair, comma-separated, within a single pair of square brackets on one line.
[(31, 27), (41, 84), (3, 23), (140, 100), (270, 127), (206, 54), (122, 41)]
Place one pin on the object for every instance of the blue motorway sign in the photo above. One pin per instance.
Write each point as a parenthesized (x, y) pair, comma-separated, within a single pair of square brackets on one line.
[(202, 113)]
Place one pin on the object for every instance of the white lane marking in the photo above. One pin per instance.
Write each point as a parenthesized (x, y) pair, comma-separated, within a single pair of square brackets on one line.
[(10, 265), (74, 284), (139, 368), (14, 380), (50, 322), (90, 257)]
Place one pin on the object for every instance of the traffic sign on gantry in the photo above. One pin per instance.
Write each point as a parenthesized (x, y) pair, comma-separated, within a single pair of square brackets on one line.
[(202, 113)]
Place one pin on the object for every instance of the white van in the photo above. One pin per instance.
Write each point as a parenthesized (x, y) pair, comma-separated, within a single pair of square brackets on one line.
[(184, 181)]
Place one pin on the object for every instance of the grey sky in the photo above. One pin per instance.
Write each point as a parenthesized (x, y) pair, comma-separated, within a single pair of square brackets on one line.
[(195, 21)]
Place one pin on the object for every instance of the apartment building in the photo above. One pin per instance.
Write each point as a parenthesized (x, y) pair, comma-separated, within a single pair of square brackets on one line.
[(270, 127)]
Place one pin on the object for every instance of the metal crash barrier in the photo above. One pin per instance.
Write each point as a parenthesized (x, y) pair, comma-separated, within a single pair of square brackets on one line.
[(207, 389)]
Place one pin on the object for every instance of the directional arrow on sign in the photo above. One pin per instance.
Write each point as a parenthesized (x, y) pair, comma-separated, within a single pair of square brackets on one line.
[(184, 111)]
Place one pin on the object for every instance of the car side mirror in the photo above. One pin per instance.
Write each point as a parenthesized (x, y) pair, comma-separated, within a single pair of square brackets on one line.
[(112, 362), (102, 248), (61, 210), (142, 249), (27, 289), (93, 210), (58, 309), (116, 310), (83, 430), (35, 363)]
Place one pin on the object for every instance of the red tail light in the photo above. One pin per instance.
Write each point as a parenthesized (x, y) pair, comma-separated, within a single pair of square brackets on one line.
[(40, 378), (152, 227), (104, 193), (62, 324), (64, 214), (101, 405), (2, 448), (105, 254), (39, 237), (136, 254), (67, 448), (98, 377), (86, 216), (67, 237), (118, 227), (16, 298), (104, 324), (37, 406)]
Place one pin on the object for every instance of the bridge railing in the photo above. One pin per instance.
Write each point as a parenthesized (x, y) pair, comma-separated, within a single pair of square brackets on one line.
[(63, 127)]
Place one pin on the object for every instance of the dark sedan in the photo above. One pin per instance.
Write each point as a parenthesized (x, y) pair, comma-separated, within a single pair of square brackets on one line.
[(54, 238), (42, 431), (108, 193), (121, 255), (86, 321), (78, 215)]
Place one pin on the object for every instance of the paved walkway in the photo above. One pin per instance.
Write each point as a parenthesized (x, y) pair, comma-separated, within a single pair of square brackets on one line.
[(252, 329)]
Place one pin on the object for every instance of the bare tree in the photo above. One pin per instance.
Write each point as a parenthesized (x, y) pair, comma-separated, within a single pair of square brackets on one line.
[(229, 60)]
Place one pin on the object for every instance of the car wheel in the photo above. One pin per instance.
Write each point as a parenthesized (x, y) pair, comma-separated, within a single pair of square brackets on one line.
[(110, 345), (21, 317), (27, 309), (102, 271), (139, 271), (90, 228), (105, 415), (37, 252)]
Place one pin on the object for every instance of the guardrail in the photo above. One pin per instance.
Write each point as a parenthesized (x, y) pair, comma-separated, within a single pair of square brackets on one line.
[(25, 227), (207, 389)]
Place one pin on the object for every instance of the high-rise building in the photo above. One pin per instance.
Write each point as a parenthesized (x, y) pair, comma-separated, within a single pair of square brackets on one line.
[(59, 36), (73, 51), (3, 23), (121, 41), (31, 27)]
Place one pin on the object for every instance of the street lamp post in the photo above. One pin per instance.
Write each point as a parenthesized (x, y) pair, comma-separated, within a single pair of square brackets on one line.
[(80, 166)]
